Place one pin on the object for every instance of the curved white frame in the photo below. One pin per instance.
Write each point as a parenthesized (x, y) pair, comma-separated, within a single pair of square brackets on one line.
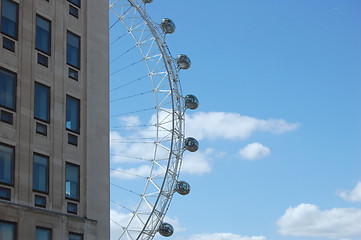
[(166, 90)]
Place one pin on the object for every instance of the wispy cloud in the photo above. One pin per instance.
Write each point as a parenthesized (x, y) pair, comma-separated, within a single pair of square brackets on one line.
[(224, 236), (134, 173), (254, 151), (120, 220), (197, 163), (352, 196), (232, 126), (134, 145), (309, 220)]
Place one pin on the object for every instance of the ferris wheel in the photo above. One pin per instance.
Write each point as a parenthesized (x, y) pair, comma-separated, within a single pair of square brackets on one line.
[(147, 128)]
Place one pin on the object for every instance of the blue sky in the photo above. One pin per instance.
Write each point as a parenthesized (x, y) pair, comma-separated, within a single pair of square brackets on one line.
[(279, 84)]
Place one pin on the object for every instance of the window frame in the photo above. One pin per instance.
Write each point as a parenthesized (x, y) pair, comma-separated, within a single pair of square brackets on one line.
[(17, 20), (15, 89), (5, 189), (48, 171), (49, 101), (78, 184), (46, 229), (36, 29), (78, 5), (15, 227), (75, 234), (37, 196), (66, 115), (13, 166), (79, 50)]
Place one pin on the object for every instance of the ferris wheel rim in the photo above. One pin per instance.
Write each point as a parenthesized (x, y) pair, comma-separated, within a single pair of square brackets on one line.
[(178, 140)]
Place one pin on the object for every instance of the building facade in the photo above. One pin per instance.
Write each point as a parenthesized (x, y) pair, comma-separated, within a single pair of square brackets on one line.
[(54, 120)]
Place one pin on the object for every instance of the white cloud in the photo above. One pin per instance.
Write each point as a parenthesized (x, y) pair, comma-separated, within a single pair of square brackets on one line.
[(224, 236), (175, 223), (254, 151), (130, 121), (134, 145), (133, 173), (352, 196), (232, 126), (197, 162), (118, 220), (309, 220), (138, 143)]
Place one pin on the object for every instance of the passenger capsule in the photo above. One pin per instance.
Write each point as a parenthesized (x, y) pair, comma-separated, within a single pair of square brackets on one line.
[(183, 61), (191, 144), (191, 102), (147, 1), (166, 230), (167, 26), (182, 188)]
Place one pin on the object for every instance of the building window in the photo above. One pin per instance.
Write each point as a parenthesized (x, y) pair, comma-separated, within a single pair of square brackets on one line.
[(40, 201), (75, 2), (7, 230), (75, 236), (72, 208), (72, 174), (73, 74), (8, 44), (43, 60), (9, 18), (5, 193), (73, 50), (73, 139), (7, 89), (73, 11), (43, 233), (41, 129), (42, 102), (43, 32), (40, 173), (6, 117), (72, 114), (7, 158)]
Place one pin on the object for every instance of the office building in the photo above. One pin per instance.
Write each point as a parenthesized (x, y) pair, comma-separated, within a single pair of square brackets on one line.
[(54, 120)]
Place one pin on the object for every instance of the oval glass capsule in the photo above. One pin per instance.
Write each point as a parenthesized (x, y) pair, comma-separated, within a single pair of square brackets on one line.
[(191, 102), (183, 61), (191, 144), (166, 230), (167, 26), (183, 188)]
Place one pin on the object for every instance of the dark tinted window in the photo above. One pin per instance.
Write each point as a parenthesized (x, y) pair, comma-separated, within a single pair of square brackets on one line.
[(43, 34), (73, 50), (7, 230), (41, 171), (6, 164), (75, 2), (41, 102), (72, 181), (43, 234), (9, 18), (7, 89), (72, 114)]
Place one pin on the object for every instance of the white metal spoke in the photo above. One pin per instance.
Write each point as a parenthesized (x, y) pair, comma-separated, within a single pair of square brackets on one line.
[(165, 115)]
